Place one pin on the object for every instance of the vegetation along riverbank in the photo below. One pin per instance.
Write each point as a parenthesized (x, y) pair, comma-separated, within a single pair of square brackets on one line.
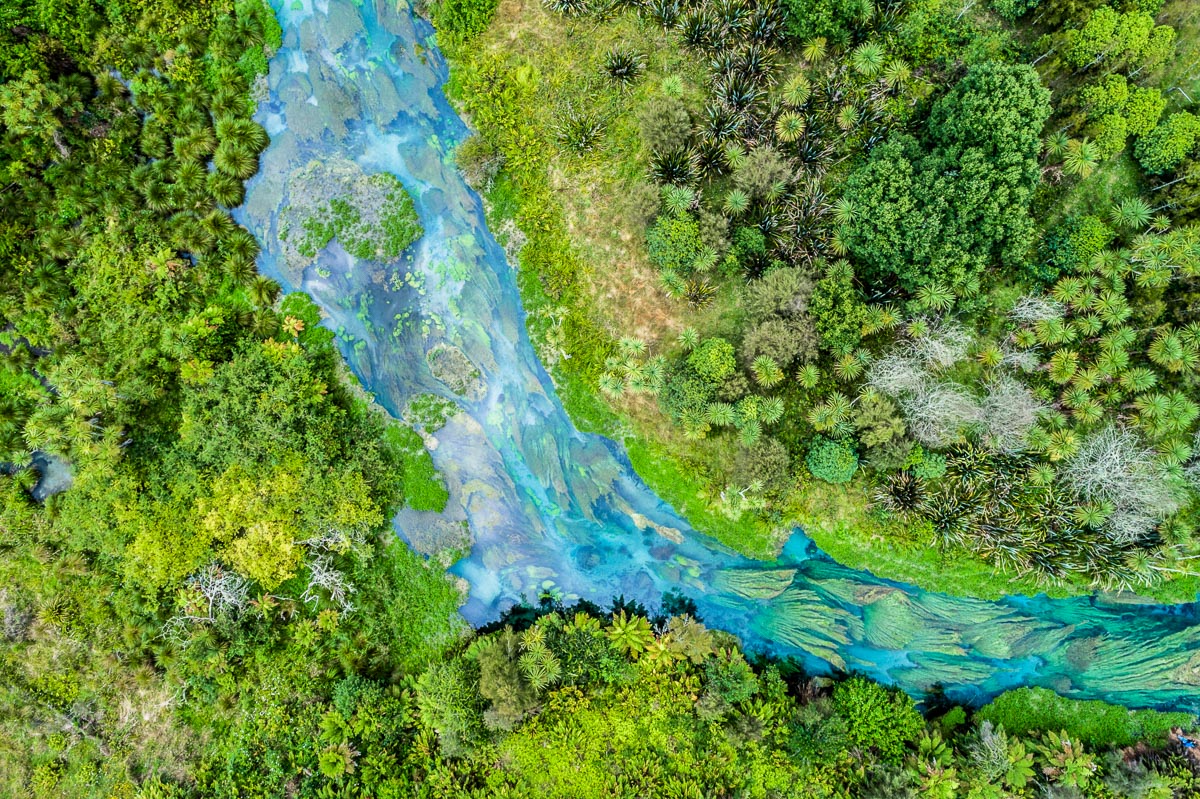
[(918, 276)]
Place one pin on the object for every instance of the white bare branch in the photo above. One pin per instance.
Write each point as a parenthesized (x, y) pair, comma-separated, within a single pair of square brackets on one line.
[(1009, 410), (324, 577), (1035, 308), (1113, 467)]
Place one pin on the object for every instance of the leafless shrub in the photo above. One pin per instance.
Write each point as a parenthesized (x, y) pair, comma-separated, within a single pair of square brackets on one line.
[(938, 412), (1025, 360), (897, 374), (214, 591), (1034, 308), (944, 345), (1112, 467), (324, 577), (1009, 410)]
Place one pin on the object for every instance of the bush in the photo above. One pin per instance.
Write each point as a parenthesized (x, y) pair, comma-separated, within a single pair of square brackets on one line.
[(1011, 10), (831, 461), (1164, 147), (463, 19), (879, 718), (1096, 723), (674, 243), (713, 360)]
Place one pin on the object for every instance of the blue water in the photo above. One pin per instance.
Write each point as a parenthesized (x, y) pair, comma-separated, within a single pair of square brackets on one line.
[(553, 509)]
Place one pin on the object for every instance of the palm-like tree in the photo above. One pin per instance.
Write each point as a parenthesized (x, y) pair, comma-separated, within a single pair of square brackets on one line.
[(1138, 380), (1170, 351), (1056, 144), (814, 49), (264, 291), (235, 161), (225, 189), (1081, 157), (897, 72), (1131, 214), (1063, 365), (766, 371), (789, 127), (737, 202), (868, 59), (796, 91)]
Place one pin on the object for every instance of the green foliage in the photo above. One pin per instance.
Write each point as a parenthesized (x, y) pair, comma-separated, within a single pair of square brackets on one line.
[(880, 719), (830, 460), (713, 360), (461, 20), (834, 19), (1028, 710), (674, 243), (943, 214), (837, 311), (1163, 148)]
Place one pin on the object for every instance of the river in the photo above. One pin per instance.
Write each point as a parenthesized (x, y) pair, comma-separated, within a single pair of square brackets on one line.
[(552, 509)]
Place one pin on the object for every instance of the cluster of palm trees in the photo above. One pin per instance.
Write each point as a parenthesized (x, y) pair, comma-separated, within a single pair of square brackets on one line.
[(163, 157)]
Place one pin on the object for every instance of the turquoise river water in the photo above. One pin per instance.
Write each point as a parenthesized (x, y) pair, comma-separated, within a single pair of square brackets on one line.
[(359, 87)]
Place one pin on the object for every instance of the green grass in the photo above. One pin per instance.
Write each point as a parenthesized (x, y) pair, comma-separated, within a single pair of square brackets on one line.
[(837, 520), (678, 484), (423, 486), (1096, 723)]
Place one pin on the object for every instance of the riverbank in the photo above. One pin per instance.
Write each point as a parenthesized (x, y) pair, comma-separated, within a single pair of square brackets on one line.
[(587, 285)]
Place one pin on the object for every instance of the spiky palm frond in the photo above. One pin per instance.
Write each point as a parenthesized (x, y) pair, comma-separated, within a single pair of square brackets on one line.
[(664, 12), (868, 59), (789, 127), (1131, 214), (680, 167), (623, 66), (700, 29), (736, 202), (1081, 157), (579, 131), (235, 161)]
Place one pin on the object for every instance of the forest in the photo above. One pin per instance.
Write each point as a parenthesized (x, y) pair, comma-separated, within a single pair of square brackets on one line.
[(937, 269)]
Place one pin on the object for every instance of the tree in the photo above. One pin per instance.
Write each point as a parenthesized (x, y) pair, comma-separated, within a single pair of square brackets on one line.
[(1163, 148), (943, 212)]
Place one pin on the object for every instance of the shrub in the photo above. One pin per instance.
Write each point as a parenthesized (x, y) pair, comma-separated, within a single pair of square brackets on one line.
[(1164, 147), (463, 19), (674, 243), (831, 461), (879, 718), (713, 360)]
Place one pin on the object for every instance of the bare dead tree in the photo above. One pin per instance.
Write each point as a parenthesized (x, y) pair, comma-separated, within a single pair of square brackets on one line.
[(324, 577), (1113, 467), (944, 345), (939, 412), (1008, 411), (215, 591), (1035, 308)]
